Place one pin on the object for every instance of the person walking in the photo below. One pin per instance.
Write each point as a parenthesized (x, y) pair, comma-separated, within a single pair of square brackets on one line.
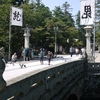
[(14, 58), (76, 51), (41, 56), (82, 50), (27, 54), (21, 63), (71, 51), (23, 54), (49, 56)]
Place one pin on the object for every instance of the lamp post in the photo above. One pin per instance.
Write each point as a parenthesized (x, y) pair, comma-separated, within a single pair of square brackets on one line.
[(55, 29), (88, 41), (26, 35)]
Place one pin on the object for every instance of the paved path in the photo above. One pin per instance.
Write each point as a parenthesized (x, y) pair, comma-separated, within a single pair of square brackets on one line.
[(13, 71)]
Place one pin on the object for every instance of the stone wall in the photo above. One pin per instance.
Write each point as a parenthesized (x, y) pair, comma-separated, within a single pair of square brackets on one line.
[(44, 84), (91, 90)]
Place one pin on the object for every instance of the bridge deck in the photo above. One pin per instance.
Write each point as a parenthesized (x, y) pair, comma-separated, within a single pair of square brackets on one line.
[(13, 71)]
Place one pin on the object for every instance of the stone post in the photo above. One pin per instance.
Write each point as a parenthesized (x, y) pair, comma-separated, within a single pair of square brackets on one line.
[(27, 35), (88, 41)]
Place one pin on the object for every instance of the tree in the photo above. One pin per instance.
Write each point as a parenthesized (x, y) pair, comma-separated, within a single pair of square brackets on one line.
[(4, 23), (41, 21), (41, 14), (97, 23), (67, 29), (17, 2)]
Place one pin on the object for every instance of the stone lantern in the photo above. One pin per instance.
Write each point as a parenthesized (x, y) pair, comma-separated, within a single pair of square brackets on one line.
[(88, 41), (26, 35)]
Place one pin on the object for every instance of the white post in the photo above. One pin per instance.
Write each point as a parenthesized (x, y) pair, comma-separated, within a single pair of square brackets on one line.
[(9, 56), (55, 29), (88, 40), (9, 42), (27, 35), (55, 42)]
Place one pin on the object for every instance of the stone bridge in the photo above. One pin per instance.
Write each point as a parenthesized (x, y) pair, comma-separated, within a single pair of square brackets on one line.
[(61, 82)]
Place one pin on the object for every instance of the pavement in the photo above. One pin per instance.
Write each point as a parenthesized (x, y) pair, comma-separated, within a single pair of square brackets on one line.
[(13, 71)]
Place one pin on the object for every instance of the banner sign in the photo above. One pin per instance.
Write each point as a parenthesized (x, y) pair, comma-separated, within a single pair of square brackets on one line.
[(87, 12), (16, 16)]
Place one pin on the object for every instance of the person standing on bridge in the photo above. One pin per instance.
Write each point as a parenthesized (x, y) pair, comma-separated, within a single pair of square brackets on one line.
[(71, 51), (13, 58), (27, 54), (49, 56), (41, 55)]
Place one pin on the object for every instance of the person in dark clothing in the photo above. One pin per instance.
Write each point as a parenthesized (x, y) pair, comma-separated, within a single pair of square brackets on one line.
[(41, 56), (71, 51), (27, 54), (49, 56)]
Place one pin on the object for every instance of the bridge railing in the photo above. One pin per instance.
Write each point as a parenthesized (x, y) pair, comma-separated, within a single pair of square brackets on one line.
[(43, 84), (93, 67)]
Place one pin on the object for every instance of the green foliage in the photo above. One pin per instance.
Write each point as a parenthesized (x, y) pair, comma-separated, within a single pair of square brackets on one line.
[(41, 21), (4, 24), (97, 23)]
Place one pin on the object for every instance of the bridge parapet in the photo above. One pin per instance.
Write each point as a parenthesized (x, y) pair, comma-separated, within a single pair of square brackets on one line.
[(93, 67), (45, 84), (2, 68)]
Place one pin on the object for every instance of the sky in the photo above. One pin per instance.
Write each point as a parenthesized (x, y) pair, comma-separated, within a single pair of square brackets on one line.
[(74, 4)]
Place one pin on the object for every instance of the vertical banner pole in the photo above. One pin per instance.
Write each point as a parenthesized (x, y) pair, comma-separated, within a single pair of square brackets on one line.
[(94, 43), (9, 41), (94, 35), (10, 36)]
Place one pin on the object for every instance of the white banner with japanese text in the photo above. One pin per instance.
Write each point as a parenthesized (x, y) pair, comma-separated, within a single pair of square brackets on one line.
[(16, 16), (87, 12)]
